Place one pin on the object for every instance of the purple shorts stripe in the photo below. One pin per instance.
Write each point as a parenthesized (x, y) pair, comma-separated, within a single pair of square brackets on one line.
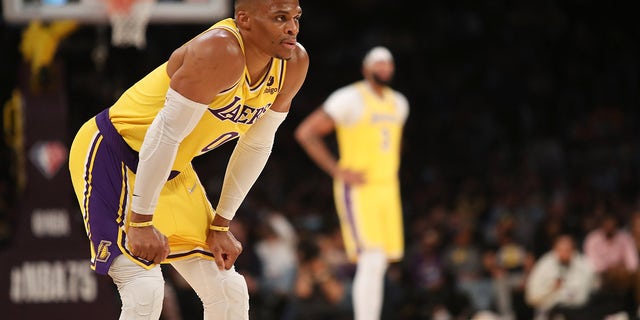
[(184, 254), (124, 195), (348, 204), (97, 140), (103, 204)]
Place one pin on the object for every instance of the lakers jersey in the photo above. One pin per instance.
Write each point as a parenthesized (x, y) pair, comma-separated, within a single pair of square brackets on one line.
[(370, 141), (229, 116)]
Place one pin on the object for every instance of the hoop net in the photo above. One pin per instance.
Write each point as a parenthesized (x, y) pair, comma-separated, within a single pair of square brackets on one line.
[(129, 20)]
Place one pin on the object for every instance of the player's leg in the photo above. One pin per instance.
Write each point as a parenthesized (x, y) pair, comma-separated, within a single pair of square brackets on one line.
[(141, 290), (368, 284), (101, 183), (224, 293), (358, 210), (391, 224)]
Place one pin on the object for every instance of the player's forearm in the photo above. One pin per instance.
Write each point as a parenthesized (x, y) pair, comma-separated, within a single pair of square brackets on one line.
[(171, 125), (247, 162)]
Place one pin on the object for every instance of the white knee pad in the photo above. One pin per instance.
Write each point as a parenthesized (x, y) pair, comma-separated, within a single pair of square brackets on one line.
[(234, 288), (224, 294), (141, 290)]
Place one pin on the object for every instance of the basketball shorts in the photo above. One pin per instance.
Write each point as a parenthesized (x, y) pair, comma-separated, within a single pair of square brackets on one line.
[(370, 218), (103, 175)]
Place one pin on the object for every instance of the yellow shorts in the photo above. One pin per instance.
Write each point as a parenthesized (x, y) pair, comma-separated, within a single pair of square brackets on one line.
[(370, 218), (103, 184)]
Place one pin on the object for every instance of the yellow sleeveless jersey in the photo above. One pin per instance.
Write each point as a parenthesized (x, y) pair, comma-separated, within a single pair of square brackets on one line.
[(229, 116), (372, 144)]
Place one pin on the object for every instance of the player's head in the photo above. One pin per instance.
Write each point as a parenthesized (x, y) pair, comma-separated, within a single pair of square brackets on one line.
[(378, 66), (270, 25)]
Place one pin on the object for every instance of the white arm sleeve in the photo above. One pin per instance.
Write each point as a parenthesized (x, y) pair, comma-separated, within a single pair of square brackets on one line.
[(344, 106), (402, 104), (247, 161), (158, 151)]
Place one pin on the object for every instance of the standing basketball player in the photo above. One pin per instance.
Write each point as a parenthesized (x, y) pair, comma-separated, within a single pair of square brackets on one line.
[(368, 117), (142, 202)]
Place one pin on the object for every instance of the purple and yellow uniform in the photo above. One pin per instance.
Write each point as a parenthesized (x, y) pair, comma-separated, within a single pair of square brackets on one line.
[(369, 131), (103, 161)]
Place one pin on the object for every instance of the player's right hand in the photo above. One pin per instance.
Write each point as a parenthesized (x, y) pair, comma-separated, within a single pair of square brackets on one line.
[(148, 243), (350, 177)]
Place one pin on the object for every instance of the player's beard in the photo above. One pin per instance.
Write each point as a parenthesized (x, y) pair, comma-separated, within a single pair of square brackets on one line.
[(380, 81)]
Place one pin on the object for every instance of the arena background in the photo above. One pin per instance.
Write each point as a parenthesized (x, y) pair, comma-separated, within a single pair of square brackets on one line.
[(515, 105)]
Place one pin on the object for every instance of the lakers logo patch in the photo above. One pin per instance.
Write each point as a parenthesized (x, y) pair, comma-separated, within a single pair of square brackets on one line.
[(103, 253)]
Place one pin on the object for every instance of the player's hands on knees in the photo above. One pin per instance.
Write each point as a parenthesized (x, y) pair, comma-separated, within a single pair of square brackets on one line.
[(148, 243), (225, 248)]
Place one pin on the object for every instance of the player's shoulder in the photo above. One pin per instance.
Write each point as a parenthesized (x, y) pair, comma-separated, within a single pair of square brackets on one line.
[(347, 94), (299, 60), (400, 97), (220, 40), (347, 89), (218, 45), (300, 54)]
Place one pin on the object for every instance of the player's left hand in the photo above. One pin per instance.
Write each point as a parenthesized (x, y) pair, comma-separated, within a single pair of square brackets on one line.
[(225, 248)]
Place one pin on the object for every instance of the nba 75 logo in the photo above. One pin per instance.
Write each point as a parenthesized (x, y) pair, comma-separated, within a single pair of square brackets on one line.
[(48, 157)]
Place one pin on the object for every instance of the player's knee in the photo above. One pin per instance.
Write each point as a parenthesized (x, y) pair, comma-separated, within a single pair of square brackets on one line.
[(235, 289), (142, 298), (235, 297), (374, 261)]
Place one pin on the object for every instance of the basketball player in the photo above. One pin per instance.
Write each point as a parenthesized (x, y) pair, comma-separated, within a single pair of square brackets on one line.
[(368, 117), (130, 165)]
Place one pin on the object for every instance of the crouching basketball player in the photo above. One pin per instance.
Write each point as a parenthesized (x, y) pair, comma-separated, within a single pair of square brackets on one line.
[(130, 165)]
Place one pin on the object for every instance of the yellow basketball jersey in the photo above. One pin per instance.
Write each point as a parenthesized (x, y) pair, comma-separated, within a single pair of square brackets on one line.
[(372, 145), (229, 116)]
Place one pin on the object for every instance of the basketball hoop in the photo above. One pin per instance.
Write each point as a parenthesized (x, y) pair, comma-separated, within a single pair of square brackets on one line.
[(129, 20)]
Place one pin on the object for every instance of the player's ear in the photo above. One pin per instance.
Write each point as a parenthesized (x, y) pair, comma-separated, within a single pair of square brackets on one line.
[(242, 19)]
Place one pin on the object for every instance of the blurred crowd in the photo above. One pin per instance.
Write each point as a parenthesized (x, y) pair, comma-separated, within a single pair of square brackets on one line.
[(520, 170)]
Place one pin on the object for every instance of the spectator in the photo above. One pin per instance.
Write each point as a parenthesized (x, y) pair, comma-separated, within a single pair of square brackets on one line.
[(276, 250), (432, 294), (635, 233), (463, 259), (614, 257), (319, 294), (560, 282), (509, 264)]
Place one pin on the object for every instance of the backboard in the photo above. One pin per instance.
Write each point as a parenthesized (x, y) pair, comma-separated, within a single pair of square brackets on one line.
[(94, 11)]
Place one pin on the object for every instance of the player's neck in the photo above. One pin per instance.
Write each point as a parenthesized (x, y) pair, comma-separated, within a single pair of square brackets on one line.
[(377, 88), (257, 64)]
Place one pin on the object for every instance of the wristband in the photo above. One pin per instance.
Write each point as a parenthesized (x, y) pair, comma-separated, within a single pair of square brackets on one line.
[(218, 228), (141, 224)]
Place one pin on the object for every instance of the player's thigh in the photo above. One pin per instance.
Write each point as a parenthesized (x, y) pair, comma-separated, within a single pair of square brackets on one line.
[(378, 212), (100, 181), (82, 155), (391, 220)]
